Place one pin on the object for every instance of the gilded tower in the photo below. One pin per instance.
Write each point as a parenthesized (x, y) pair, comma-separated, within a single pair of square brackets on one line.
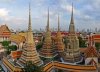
[(29, 52), (48, 48), (59, 42), (72, 53)]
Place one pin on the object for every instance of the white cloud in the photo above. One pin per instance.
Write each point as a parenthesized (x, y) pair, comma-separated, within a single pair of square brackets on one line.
[(4, 12), (68, 8)]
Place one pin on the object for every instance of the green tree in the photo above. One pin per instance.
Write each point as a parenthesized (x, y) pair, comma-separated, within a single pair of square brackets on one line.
[(6, 43), (30, 67), (39, 45), (10, 48), (82, 43), (97, 46)]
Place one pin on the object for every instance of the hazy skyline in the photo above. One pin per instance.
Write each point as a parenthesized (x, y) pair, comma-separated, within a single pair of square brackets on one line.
[(14, 13)]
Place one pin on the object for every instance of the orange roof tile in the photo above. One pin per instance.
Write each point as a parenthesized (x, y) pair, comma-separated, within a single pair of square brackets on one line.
[(16, 54), (91, 52), (96, 36), (83, 50), (63, 66), (4, 31)]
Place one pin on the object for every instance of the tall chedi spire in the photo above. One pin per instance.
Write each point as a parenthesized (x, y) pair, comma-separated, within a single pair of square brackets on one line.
[(29, 52), (59, 43), (58, 24), (29, 33), (72, 27), (48, 48), (48, 29), (72, 53)]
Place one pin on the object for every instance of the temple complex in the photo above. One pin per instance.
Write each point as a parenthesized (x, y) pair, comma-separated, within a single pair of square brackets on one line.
[(60, 51)]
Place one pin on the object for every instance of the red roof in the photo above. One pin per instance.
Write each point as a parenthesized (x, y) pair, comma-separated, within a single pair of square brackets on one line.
[(96, 36), (16, 54), (63, 33), (4, 31), (91, 52)]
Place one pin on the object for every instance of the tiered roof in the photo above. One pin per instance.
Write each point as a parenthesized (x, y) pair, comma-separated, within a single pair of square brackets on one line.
[(17, 38), (91, 52), (4, 31), (16, 54)]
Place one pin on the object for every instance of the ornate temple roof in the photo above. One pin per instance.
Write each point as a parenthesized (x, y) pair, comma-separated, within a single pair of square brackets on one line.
[(23, 34), (91, 52), (73, 68), (4, 30), (17, 38), (16, 54)]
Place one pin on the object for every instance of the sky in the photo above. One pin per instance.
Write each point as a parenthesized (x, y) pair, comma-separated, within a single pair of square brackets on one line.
[(14, 13)]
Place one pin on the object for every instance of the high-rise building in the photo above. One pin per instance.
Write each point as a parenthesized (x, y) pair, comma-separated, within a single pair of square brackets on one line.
[(72, 53), (29, 52), (48, 49)]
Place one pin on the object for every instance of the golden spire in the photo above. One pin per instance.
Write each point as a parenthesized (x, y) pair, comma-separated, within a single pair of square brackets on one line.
[(58, 42), (72, 18), (29, 52), (48, 21), (58, 23), (29, 33), (71, 27), (29, 27)]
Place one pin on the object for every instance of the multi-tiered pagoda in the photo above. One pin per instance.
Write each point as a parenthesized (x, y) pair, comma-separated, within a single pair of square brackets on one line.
[(29, 52), (72, 53), (48, 49), (59, 41)]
